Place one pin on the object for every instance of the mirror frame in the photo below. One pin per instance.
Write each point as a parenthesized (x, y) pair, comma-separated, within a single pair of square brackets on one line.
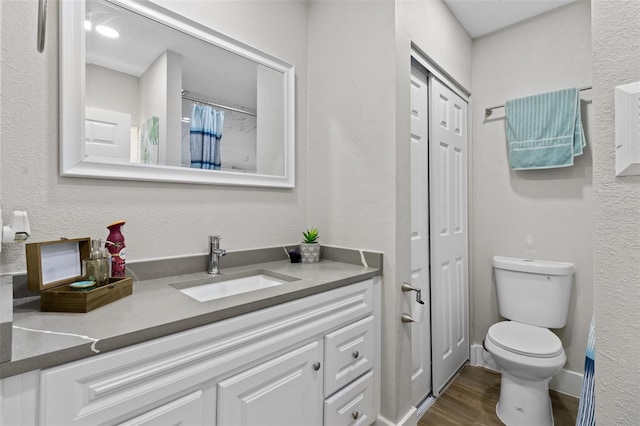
[(72, 103)]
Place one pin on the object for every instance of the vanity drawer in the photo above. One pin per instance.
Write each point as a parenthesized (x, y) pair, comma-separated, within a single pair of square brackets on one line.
[(353, 405), (348, 354)]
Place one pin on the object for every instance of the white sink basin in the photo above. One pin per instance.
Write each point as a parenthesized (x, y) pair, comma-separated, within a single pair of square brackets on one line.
[(223, 287)]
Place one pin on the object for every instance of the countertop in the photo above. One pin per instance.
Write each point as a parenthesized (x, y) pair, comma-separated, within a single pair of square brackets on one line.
[(155, 309)]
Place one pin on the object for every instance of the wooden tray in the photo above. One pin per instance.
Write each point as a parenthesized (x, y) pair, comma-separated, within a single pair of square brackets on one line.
[(63, 299), (53, 265)]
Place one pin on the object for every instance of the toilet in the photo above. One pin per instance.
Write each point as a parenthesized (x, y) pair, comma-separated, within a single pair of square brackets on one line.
[(533, 296)]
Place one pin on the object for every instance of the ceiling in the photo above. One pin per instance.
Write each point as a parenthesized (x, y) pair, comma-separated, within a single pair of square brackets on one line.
[(480, 17), (208, 71)]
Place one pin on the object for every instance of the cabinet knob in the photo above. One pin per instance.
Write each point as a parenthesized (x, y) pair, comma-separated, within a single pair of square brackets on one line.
[(355, 415), (316, 366), (356, 354)]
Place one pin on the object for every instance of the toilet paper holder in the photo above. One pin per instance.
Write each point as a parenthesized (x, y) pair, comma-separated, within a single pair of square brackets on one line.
[(408, 287), (406, 318)]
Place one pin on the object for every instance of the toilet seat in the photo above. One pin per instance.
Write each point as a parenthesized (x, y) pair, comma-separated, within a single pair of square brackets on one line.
[(525, 339)]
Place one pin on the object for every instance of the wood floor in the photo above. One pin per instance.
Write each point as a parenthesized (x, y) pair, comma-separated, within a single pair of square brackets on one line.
[(471, 400)]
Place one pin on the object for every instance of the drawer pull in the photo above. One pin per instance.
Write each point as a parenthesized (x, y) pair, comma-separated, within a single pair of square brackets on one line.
[(316, 366), (356, 354), (355, 415)]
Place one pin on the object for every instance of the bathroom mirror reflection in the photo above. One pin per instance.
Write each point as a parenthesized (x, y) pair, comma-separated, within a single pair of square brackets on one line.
[(167, 99)]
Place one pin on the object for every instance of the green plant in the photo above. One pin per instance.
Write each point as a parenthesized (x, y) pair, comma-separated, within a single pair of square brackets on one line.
[(311, 235)]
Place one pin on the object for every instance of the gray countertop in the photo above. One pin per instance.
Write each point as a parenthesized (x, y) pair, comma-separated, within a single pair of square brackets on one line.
[(155, 309)]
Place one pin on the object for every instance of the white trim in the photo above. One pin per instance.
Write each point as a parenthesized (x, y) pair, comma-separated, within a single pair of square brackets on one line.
[(565, 381), (424, 406), (432, 67), (409, 419)]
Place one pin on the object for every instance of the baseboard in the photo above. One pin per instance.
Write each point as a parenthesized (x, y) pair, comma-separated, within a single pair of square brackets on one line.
[(424, 406), (409, 419), (481, 358), (568, 382), (565, 381)]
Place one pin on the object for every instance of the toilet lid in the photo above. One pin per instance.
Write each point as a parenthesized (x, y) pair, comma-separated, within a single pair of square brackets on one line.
[(525, 339)]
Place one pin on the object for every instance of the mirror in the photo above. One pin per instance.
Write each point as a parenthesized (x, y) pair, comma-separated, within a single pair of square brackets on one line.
[(147, 94)]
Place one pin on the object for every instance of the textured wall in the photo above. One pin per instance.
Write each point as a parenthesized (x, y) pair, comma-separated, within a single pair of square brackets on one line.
[(436, 31), (616, 61), (351, 151), (359, 140), (539, 214), (162, 219)]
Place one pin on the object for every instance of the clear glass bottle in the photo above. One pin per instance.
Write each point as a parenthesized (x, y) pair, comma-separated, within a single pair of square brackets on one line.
[(96, 268)]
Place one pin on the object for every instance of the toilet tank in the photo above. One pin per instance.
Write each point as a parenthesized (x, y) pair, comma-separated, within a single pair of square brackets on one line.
[(534, 292)]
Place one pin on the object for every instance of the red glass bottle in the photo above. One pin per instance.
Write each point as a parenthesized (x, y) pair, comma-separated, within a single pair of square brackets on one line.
[(115, 245)]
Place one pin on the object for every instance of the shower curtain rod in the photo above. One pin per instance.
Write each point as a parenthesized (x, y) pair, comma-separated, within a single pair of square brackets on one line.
[(489, 110), (185, 95)]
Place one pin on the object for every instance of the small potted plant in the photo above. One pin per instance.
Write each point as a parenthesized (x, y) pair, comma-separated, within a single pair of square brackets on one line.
[(309, 247)]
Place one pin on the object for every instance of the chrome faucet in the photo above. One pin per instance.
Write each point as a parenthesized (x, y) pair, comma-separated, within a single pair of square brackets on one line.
[(215, 252)]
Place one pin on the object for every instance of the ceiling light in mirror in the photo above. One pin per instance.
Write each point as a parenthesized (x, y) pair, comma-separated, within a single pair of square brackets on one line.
[(107, 31)]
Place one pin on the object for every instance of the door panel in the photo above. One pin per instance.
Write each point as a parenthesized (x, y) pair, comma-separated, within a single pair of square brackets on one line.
[(449, 265), (107, 134), (420, 333)]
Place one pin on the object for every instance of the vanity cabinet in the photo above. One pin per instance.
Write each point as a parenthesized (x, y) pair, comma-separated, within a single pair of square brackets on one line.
[(184, 411), (286, 390), (311, 361)]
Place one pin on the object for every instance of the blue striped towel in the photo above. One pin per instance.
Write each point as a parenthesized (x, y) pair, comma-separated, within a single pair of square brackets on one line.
[(586, 409), (544, 131)]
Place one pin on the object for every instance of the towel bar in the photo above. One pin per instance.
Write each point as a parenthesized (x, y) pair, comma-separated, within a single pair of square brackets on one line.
[(489, 110)]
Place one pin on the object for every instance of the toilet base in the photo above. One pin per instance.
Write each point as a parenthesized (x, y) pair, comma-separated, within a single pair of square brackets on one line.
[(524, 402)]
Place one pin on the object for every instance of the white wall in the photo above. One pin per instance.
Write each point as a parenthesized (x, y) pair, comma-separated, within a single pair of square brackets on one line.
[(152, 92), (352, 154), (436, 31), (173, 148), (539, 214), (359, 56), (270, 128), (616, 61), (162, 219), (112, 90)]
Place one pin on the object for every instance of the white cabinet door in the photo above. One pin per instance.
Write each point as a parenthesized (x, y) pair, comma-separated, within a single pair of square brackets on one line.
[(284, 391), (185, 411)]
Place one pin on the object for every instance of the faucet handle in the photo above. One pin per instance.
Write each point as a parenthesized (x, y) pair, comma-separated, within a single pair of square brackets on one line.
[(213, 238)]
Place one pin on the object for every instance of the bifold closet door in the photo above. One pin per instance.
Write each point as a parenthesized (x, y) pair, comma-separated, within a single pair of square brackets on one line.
[(448, 232), (420, 333)]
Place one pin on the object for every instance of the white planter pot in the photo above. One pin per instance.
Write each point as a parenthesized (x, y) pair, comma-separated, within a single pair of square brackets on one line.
[(310, 253)]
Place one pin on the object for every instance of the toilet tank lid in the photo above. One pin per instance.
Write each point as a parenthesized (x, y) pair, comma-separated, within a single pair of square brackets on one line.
[(533, 266)]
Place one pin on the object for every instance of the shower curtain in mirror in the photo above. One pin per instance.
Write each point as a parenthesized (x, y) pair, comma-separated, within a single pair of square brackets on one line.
[(205, 137)]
